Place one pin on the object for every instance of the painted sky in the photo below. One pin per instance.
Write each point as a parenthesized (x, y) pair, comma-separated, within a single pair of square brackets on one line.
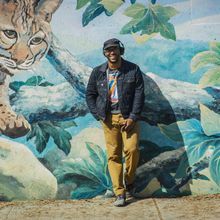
[(197, 20)]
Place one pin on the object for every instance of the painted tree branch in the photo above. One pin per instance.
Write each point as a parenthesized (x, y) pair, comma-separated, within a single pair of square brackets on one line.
[(75, 72), (159, 167), (166, 99)]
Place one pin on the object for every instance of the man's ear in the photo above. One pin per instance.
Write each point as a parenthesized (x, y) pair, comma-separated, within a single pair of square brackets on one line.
[(104, 53), (45, 8)]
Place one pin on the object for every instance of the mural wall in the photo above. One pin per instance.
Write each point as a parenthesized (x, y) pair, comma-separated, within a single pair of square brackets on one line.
[(51, 146)]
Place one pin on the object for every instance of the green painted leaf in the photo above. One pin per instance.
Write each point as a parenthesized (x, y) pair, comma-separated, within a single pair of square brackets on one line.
[(136, 11), (60, 136), (210, 121), (204, 59), (130, 27), (215, 46), (34, 81), (155, 20), (65, 124), (172, 131), (195, 140), (164, 12), (88, 171), (168, 31), (62, 139), (148, 24), (86, 192), (111, 5), (197, 143), (210, 78), (81, 3), (96, 152), (16, 85), (214, 166), (92, 11), (41, 137), (45, 84), (81, 166)]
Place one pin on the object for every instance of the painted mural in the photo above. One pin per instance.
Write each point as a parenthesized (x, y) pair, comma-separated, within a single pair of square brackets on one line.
[(51, 146)]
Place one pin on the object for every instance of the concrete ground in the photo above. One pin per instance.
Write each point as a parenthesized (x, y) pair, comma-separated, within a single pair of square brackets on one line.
[(191, 207)]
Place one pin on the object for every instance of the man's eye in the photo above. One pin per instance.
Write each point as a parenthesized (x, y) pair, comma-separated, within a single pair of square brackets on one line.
[(10, 34), (36, 40)]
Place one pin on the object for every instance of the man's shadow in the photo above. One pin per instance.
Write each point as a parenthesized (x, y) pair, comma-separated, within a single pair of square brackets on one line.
[(162, 170)]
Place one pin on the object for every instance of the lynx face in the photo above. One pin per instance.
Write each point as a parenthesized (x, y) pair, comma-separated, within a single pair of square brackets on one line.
[(25, 32)]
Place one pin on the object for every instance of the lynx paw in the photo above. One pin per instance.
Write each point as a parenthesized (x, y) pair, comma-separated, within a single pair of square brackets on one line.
[(12, 125)]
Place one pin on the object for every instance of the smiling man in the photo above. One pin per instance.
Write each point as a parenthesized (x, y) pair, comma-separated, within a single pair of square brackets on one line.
[(115, 96)]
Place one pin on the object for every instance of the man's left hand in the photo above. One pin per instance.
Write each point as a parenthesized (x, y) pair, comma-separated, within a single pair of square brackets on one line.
[(129, 124)]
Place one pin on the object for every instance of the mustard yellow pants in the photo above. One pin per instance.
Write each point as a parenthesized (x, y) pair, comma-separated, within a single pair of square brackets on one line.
[(117, 142)]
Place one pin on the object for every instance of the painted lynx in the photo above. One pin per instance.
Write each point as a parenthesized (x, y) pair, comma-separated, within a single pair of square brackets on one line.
[(25, 37)]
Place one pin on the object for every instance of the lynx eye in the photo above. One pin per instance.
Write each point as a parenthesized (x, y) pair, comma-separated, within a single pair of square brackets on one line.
[(10, 34), (36, 40)]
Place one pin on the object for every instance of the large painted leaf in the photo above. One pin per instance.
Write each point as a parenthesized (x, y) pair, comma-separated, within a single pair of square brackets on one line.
[(92, 11), (60, 136), (111, 5), (32, 81), (215, 166), (196, 141), (129, 28), (65, 124), (210, 78), (203, 59), (136, 11), (97, 153), (172, 131), (81, 3), (88, 172), (83, 167), (168, 31), (210, 121), (41, 137), (152, 20), (98, 161), (164, 12), (86, 192), (16, 85)]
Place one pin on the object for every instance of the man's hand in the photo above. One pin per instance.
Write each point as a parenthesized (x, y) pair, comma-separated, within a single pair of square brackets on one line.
[(129, 124)]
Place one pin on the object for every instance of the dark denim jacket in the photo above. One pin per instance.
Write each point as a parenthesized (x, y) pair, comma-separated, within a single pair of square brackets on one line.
[(130, 87)]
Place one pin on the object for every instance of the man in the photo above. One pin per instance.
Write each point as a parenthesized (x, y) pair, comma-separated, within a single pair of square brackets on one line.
[(115, 96)]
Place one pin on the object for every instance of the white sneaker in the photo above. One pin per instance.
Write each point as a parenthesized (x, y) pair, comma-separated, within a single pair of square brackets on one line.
[(120, 201)]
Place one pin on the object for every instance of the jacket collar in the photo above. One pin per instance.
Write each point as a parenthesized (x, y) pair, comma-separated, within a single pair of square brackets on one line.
[(122, 69)]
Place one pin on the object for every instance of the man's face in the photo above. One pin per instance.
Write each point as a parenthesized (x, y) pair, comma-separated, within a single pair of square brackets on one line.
[(112, 54)]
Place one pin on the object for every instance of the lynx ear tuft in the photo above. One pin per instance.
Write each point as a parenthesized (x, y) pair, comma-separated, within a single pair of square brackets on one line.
[(46, 8)]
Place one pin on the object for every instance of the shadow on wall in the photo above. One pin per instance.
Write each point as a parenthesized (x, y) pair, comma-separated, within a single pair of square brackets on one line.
[(162, 169)]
